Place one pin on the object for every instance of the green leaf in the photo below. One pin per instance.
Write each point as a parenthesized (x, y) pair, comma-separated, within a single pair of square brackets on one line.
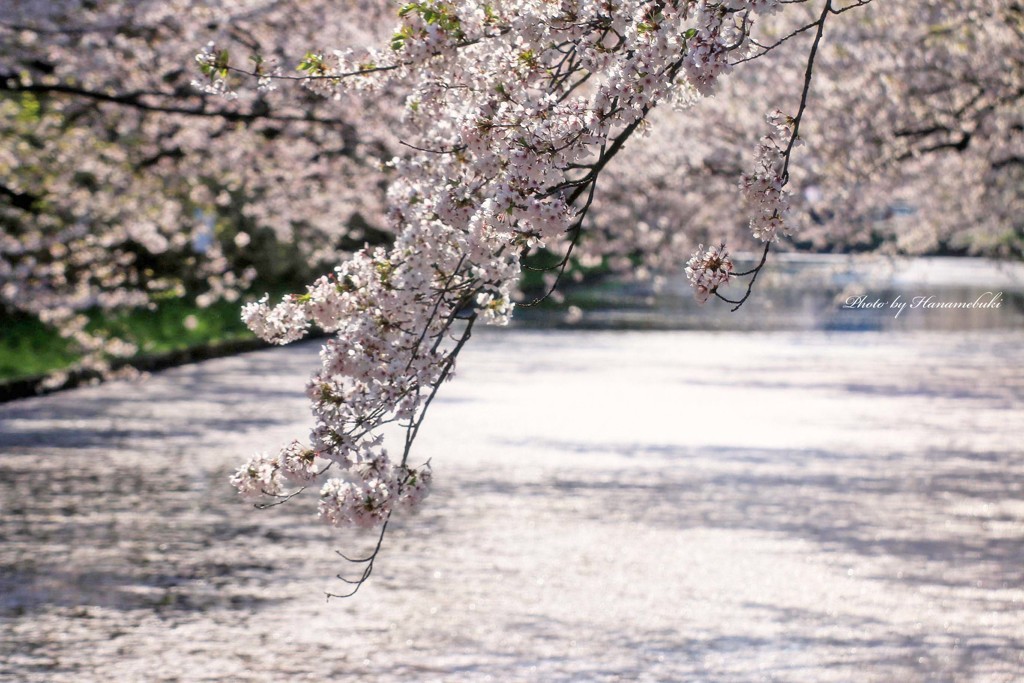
[(221, 65)]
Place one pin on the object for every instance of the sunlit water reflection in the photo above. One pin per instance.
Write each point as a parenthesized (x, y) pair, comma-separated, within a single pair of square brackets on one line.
[(610, 505), (815, 292)]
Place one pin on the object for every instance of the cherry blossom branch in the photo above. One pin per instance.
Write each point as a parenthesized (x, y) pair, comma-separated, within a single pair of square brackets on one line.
[(859, 3), (411, 433), (753, 273), (282, 499), (367, 570), (707, 271), (502, 161), (449, 364), (765, 49), (13, 83)]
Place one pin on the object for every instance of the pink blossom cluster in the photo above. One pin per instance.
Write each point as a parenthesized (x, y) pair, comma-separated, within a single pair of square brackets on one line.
[(266, 475), (368, 487), (391, 312), (368, 500), (707, 270), (764, 189)]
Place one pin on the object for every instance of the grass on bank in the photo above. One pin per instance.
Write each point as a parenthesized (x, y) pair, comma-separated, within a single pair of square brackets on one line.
[(29, 348)]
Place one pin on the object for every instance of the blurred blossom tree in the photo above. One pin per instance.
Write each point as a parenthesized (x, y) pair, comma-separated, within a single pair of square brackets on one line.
[(915, 142), (121, 184), (509, 115)]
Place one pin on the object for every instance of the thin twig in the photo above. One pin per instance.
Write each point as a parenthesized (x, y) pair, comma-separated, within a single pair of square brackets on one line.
[(787, 154)]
